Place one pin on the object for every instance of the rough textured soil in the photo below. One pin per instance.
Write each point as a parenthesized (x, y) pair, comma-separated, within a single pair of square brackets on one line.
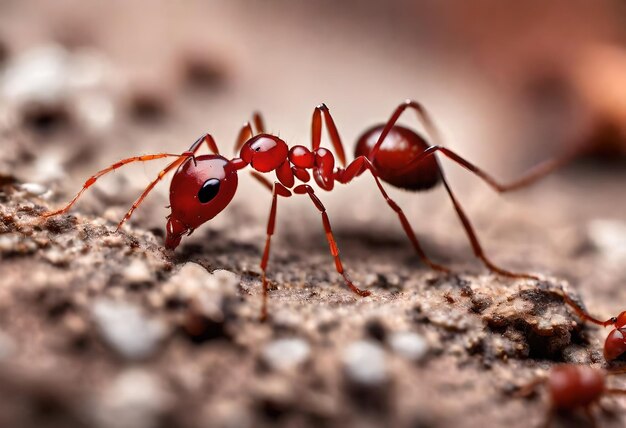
[(108, 329)]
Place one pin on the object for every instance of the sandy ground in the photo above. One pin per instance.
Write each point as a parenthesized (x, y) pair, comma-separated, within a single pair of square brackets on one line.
[(109, 329)]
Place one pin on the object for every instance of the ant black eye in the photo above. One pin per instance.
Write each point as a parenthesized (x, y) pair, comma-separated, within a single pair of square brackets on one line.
[(209, 190)]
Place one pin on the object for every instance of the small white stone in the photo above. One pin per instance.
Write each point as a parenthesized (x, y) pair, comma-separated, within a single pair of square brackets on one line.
[(609, 237), (364, 363), (193, 279), (125, 328), (34, 189), (135, 399), (409, 345), (286, 354), (37, 75), (137, 272)]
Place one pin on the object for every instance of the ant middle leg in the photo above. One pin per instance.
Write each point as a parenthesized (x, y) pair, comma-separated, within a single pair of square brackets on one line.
[(356, 168), (278, 190), (306, 189)]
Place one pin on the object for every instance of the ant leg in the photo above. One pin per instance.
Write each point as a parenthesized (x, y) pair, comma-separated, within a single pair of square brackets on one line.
[(262, 179), (422, 115), (305, 188), (258, 121), (209, 141), (355, 169), (469, 230), (526, 179), (91, 180), (537, 172), (582, 313), (244, 135), (278, 190), (151, 186), (316, 132)]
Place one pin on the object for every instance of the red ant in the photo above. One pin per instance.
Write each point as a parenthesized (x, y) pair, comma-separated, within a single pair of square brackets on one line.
[(615, 343), (572, 387), (204, 185)]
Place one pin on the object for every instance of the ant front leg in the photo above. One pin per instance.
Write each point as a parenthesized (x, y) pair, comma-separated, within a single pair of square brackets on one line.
[(206, 139), (316, 132), (306, 189), (356, 168), (279, 190), (247, 132), (244, 135), (92, 180)]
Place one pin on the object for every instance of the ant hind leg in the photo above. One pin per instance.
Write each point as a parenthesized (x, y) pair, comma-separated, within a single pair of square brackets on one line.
[(356, 168)]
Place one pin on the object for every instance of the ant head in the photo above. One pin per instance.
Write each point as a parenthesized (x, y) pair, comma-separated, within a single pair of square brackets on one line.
[(199, 191), (615, 344), (264, 152)]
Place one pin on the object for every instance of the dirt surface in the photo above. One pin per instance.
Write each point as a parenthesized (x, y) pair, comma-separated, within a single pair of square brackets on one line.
[(108, 329)]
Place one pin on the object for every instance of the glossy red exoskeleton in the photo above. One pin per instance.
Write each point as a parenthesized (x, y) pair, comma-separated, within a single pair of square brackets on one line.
[(615, 343), (573, 387), (204, 185)]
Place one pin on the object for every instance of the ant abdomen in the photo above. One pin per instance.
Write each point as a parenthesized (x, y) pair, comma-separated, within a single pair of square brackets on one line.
[(393, 160)]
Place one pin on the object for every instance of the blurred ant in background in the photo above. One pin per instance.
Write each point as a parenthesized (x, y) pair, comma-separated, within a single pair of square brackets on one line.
[(204, 185), (573, 387)]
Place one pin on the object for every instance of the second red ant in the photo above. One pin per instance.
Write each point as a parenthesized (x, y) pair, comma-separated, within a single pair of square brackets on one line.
[(204, 185), (615, 342)]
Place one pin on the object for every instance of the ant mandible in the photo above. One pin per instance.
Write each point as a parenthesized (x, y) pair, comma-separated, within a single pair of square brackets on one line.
[(572, 387), (204, 185)]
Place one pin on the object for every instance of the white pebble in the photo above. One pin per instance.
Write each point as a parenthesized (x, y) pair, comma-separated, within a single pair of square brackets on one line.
[(135, 399), (365, 363), (137, 272), (125, 328), (609, 237), (37, 75), (193, 279), (34, 189), (286, 354), (409, 345)]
